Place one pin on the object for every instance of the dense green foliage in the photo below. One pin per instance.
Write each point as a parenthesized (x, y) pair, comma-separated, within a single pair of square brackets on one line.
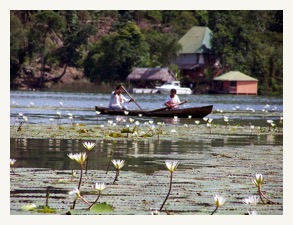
[(107, 45)]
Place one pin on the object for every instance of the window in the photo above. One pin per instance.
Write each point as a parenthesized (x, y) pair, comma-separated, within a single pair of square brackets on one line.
[(233, 83)]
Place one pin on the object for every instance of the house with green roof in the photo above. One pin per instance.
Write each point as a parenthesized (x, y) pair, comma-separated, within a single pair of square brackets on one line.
[(195, 54), (235, 82)]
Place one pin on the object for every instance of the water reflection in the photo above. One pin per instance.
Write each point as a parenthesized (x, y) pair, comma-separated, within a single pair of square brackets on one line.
[(145, 156)]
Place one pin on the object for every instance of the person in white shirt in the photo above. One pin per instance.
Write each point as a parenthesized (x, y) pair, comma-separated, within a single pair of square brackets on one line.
[(172, 101), (117, 99)]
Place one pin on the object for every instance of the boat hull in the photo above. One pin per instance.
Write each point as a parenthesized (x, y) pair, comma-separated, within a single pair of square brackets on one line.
[(195, 112)]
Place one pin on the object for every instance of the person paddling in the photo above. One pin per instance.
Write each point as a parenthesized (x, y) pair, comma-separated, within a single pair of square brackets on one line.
[(172, 101), (117, 99)]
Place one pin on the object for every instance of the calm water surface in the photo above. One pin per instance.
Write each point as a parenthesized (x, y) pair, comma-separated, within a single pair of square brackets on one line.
[(39, 107), (142, 156)]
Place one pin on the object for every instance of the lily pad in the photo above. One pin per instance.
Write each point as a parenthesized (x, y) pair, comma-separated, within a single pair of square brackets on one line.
[(102, 208), (46, 209)]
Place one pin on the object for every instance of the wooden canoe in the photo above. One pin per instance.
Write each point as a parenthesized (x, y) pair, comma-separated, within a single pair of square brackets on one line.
[(195, 112)]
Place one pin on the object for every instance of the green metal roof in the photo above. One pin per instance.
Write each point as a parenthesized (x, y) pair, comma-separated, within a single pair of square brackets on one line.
[(196, 40), (235, 76)]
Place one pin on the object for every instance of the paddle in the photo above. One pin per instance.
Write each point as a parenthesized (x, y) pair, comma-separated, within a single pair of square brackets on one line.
[(131, 98), (162, 109)]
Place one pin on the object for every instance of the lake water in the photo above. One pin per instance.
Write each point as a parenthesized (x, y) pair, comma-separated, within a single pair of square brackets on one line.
[(220, 157), (39, 107)]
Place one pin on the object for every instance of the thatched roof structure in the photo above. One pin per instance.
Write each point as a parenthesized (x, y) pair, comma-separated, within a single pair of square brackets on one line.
[(151, 74)]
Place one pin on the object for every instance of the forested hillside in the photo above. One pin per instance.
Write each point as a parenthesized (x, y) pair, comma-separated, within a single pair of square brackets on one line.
[(105, 46)]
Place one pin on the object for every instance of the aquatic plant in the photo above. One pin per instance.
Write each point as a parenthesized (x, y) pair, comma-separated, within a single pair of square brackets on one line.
[(51, 122), (12, 161), (171, 166), (219, 201), (89, 146), (118, 164), (23, 119), (251, 200), (71, 118), (79, 158), (98, 187), (74, 194), (258, 181), (59, 119)]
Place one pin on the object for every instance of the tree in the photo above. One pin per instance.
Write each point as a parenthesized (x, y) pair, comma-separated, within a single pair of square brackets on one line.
[(162, 48), (45, 23), (17, 45), (114, 57), (75, 36)]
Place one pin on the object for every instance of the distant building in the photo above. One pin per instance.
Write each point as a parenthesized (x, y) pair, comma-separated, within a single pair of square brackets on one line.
[(150, 77), (235, 82), (195, 54)]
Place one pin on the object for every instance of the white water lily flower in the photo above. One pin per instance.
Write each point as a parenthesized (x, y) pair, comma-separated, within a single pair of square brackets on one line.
[(140, 115), (20, 114), (258, 180), (78, 157), (51, 120), (29, 207), (253, 200), (175, 118), (102, 126), (89, 145), (12, 161), (74, 194), (210, 120), (196, 122), (171, 165), (136, 123), (205, 119), (151, 121), (252, 213), (189, 117), (219, 200), (58, 113), (185, 125), (155, 212), (270, 121), (69, 114), (100, 186), (134, 134), (98, 112), (209, 125), (131, 120), (110, 122), (173, 131), (126, 112), (118, 163), (251, 126)]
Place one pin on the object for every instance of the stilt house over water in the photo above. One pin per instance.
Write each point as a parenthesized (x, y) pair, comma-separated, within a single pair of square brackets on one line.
[(235, 82)]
